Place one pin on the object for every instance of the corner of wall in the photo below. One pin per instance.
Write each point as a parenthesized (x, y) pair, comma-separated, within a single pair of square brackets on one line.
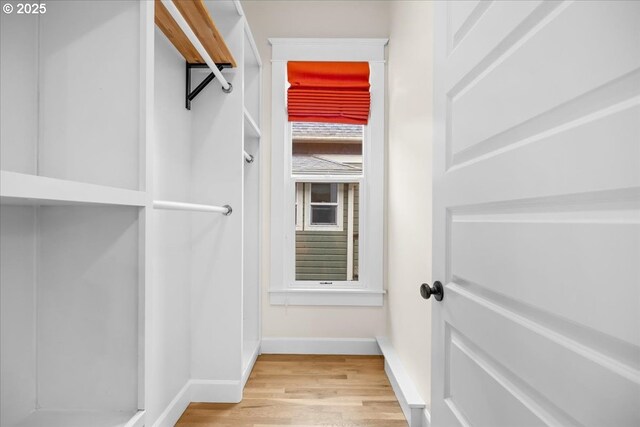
[(409, 178)]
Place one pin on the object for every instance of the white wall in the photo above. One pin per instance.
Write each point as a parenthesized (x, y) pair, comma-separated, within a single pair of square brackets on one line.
[(87, 308), (19, 88), (409, 179), (18, 153), (308, 19), (88, 85), (17, 312), (216, 178)]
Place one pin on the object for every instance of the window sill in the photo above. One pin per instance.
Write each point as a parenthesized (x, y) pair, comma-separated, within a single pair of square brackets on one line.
[(335, 297)]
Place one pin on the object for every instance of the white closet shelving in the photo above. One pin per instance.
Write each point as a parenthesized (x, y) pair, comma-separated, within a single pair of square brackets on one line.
[(124, 288), (252, 79), (26, 189), (72, 215), (251, 129), (201, 160)]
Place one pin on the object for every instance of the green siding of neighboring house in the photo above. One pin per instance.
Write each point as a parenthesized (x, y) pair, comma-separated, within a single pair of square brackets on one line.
[(322, 255)]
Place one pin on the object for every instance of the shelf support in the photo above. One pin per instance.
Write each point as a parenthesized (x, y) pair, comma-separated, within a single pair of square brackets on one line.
[(195, 41), (248, 157), (191, 94)]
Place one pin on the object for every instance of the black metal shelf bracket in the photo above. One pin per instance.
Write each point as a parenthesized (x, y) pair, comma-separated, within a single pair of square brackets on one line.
[(191, 94)]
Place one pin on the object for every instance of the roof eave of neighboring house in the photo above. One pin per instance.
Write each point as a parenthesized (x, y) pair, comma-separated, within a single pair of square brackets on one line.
[(320, 172), (317, 165), (328, 140)]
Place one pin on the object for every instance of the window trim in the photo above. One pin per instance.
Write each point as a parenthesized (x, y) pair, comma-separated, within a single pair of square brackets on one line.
[(283, 289), (308, 225), (299, 206)]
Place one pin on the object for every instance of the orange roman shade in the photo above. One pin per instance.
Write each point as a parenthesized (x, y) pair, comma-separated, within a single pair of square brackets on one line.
[(329, 92)]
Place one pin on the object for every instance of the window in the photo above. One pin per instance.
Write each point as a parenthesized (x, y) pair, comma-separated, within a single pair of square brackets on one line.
[(324, 203), (323, 209), (327, 189), (327, 247), (325, 156)]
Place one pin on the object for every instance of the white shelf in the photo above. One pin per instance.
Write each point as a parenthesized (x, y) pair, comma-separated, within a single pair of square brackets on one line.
[(250, 126), (51, 418), (24, 189), (251, 56)]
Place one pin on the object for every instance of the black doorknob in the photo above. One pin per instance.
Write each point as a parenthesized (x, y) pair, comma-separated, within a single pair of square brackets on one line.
[(436, 290)]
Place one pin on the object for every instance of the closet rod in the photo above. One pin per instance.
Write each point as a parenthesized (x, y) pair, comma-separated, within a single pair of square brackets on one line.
[(179, 206), (248, 157), (186, 29)]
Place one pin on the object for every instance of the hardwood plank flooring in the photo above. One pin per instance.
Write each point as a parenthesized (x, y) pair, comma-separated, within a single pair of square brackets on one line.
[(307, 390)]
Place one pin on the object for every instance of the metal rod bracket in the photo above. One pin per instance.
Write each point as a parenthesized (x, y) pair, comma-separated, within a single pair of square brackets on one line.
[(229, 210), (191, 94)]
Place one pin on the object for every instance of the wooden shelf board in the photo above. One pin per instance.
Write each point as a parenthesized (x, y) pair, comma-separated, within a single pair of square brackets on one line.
[(251, 128), (197, 15), (24, 189)]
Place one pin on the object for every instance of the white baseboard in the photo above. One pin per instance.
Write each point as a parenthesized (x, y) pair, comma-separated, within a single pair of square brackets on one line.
[(354, 346), (252, 361), (231, 391), (176, 407), (199, 391), (137, 420), (217, 391), (412, 404), (426, 418), (327, 297)]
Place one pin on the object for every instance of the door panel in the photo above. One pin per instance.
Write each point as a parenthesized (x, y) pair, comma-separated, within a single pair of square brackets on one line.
[(530, 258), (596, 152), (459, 12), (474, 377), (537, 214), (501, 22), (574, 58), (588, 385)]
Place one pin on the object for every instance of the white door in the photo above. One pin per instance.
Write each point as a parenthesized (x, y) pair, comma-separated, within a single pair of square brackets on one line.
[(537, 214)]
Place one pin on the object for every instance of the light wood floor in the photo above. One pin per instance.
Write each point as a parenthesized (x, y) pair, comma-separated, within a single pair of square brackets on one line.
[(286, 390)]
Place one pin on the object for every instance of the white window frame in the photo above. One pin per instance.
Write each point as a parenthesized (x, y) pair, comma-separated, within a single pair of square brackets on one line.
[(308, 225), (299, 207), (283, 288)]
